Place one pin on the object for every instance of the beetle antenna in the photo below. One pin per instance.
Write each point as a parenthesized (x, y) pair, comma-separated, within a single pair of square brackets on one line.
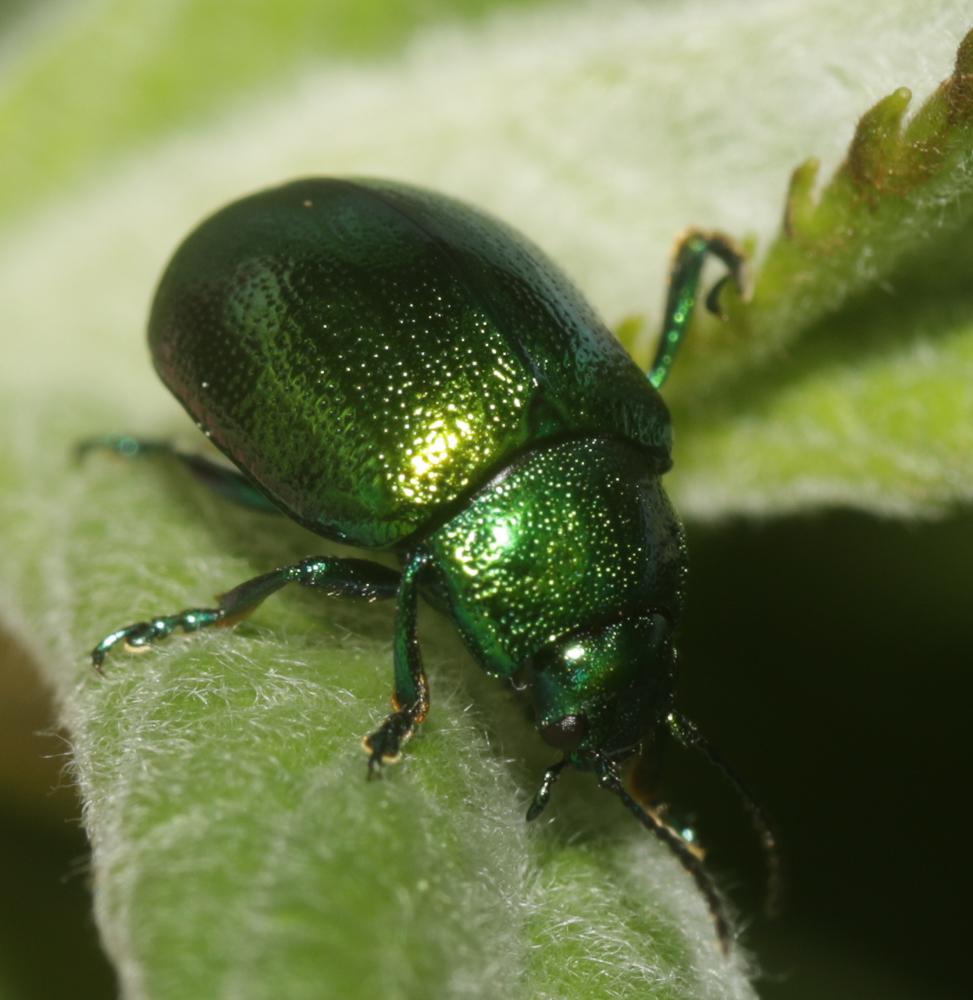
[(543, 794), (609, 779), (688, 734)]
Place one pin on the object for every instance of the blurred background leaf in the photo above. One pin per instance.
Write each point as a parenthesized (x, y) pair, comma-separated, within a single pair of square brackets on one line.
[(812, 639)]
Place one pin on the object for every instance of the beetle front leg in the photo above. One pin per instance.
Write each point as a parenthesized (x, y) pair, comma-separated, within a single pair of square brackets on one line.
[(410, 699), (692, 249)]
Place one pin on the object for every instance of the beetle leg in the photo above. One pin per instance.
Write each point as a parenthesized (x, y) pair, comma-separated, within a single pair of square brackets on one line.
[(411, 696), (228, 483), (338, 577), (691, 251), (543, 794)]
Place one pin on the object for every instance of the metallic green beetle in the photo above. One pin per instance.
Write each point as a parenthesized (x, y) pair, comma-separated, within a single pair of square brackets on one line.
[(396, 370)]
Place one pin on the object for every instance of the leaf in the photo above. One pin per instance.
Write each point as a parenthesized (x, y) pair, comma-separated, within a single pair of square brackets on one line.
[(873, 407), (166, 66), (237, 849)]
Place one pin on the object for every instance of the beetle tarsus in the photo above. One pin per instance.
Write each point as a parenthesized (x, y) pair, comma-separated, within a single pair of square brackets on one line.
[(138, 637), (543, 794), (227, 483), (384, 745), (692, 249), (123, 445)]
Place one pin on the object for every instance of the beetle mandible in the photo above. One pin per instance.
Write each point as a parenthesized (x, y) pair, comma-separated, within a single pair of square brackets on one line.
[(396, 370)]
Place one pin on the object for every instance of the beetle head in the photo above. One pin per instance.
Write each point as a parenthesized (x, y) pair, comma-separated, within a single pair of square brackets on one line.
[(598, 693), (598, 690)]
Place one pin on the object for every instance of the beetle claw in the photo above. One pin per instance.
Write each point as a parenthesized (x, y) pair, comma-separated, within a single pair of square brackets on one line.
[(384, 745), (735, 259), (134, 639), (713, 303)]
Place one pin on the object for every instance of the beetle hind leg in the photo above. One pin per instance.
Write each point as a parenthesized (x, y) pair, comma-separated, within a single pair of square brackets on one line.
[(228, 483)]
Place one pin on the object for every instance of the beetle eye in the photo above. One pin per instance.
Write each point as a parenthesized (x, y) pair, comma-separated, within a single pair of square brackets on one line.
[(566, 733)]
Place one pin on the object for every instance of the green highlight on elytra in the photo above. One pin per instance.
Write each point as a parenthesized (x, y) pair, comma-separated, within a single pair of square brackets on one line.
[(398, 371)]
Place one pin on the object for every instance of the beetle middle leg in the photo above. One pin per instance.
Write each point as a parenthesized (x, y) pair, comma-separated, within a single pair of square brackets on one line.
[(228, 483), (337, 577)]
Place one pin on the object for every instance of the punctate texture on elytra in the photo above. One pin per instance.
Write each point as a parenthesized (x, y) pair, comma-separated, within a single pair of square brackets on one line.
[(368, 352)]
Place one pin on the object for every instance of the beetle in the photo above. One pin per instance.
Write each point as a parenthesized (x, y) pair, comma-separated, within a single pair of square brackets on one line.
[(396, 370)]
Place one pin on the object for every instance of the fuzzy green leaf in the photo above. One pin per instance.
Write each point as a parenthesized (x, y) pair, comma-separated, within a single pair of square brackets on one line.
[(161, 67), (237, 849), (846, 377)]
